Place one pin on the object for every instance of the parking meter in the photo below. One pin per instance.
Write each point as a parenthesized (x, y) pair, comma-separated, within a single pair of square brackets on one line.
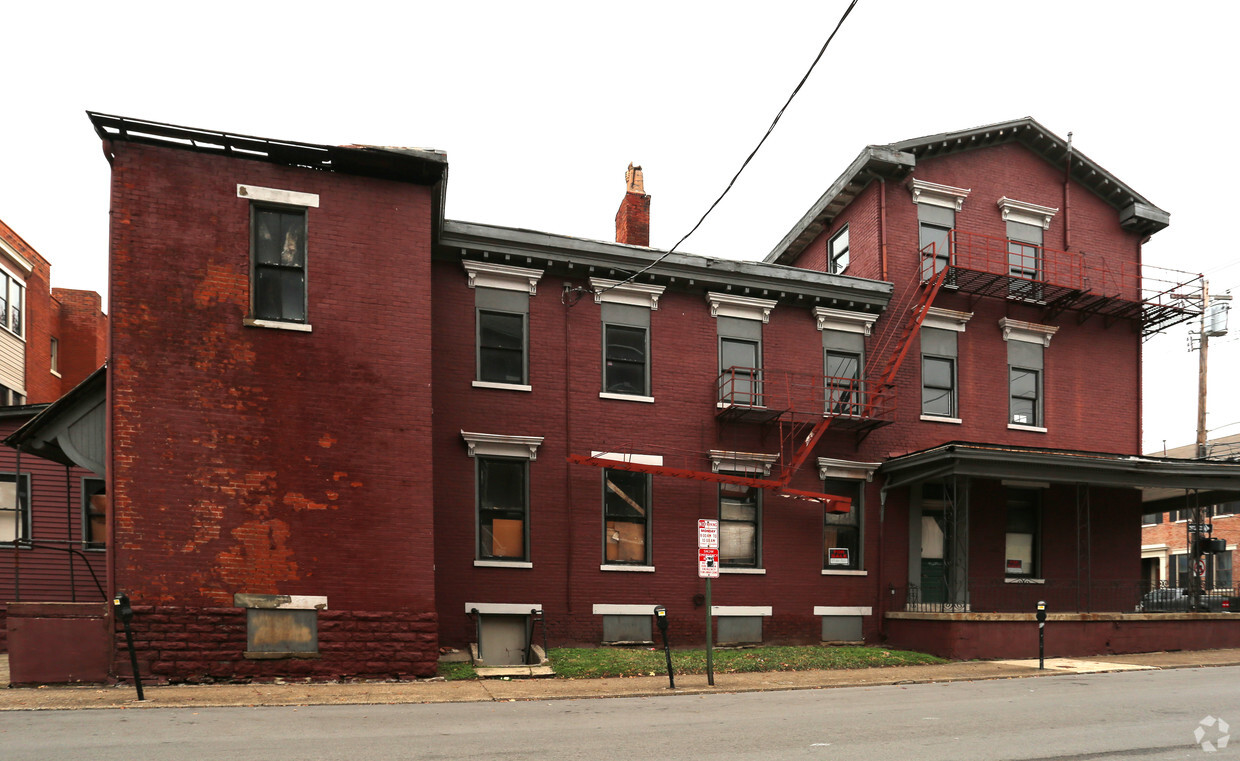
[(1041, 616), (660, 618), (124, 610)]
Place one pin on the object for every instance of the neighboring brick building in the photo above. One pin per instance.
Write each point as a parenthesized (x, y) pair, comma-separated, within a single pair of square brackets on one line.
[(1165, 540), (346, 431), (50, 340)]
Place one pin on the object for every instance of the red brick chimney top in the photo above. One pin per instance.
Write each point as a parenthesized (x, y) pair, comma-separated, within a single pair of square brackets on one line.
[(633, 217)]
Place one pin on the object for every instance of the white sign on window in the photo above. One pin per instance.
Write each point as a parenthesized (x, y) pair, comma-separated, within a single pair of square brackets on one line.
[(837, 556)]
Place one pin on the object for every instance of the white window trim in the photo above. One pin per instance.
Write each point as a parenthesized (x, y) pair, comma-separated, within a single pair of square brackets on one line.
[(836, 572), (626, 397), (633, 294), (1029, 332), (843, 610), (934, 194), (640, 459), (946, 319), (502, 276), (300, 327), (740, 610), (496, 445), (743, 571), (22, 262), (1026, 213), (741, 307), (623, 610), (844, 320), (1030, 428), (503, 608), (749, 463), (503, 564), (275, 195), (846, 469), (937, 419), (627, 568), (503, 386), (1023, 580)]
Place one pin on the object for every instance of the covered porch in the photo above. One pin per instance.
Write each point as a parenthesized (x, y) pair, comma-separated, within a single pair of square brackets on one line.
[(994, 530)]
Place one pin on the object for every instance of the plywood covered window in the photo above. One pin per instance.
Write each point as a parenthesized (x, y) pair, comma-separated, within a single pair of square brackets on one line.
[(626, 517), (503, 508)]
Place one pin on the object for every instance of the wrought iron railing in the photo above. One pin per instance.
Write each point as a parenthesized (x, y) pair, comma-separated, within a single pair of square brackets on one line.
[(1021, 595)]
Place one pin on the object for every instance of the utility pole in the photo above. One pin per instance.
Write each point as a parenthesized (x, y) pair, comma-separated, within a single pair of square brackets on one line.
[(1201, 370)]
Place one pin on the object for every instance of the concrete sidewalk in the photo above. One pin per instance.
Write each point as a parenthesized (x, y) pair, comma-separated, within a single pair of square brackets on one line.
[(370, 693)]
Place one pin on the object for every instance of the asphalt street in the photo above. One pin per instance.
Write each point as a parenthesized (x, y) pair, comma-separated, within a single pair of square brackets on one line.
[(1137, 714)]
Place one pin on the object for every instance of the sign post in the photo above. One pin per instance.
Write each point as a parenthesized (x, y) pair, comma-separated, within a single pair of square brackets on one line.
[(1041, 616), (708, 568)]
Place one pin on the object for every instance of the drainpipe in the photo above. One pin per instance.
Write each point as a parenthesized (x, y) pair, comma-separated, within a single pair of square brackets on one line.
[(1067, 180), (882, 228), (568, 447)]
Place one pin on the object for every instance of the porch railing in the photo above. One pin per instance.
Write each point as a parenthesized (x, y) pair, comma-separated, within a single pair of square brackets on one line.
[(1018, 595)]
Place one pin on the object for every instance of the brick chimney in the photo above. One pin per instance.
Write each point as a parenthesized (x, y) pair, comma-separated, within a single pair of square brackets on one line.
[(633, 217)]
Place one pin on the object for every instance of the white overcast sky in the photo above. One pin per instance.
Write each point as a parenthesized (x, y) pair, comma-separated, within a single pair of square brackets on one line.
[(541, 106)]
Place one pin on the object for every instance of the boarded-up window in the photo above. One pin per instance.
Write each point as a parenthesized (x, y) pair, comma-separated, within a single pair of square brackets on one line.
[(94, 513), (740, 510), (626, 516), (502, 508)]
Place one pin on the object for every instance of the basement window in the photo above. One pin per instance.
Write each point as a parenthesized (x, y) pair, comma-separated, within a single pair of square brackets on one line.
[(281, 626)]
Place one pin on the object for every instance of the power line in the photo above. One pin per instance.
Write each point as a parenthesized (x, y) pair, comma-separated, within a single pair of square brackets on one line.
[(748, 158)]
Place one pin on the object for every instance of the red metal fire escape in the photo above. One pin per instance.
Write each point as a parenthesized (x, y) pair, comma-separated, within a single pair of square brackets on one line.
[(804, 405)]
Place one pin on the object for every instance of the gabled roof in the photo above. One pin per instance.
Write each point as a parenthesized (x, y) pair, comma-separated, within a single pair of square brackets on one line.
[(896, 161)]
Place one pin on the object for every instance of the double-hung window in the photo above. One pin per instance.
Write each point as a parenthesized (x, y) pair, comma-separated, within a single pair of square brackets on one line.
[(1025, 260), (837, 252), (1026, 401), (938, 373), (94, 513), (934, 234), (503, 509), (626, 517), (502, 323), (1024, 533), (278, 260), (502, 496), (739, 321), (626, 350), (842, 367), (1026, 343), (12, 300), (14, 508), (842, 531), (740, 526)]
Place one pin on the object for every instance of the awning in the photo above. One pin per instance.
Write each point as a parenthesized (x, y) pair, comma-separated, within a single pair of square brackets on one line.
[(71, 430), (1163, 481)]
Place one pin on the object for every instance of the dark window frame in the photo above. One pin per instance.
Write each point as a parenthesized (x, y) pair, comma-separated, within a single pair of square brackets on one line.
[(744, 384), (258, 308), (1033, 398), (613, 385), (26, 528), (756, 522), (12, 318), (1030, 500), (843, 398), (950, 389), (614, 512), (842, 523), (485, 514), (481, 371), (834, 256), (91, 486)]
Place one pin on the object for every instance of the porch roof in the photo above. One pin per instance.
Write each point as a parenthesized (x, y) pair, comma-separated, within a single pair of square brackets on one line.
[(1162, 481), (70, 430)]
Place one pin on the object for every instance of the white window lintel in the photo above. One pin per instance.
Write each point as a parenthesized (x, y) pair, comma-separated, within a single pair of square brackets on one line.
[(640, 459), (742, 462), (843, 610), (1029, 332), (742, 307), (844, 320), (275, 195), (502, 276), (496, 445), (633, 294), (934, 194), (503, 608), (946, 319), (623, 610), (1026, 213), (857, 471), (740, 610)]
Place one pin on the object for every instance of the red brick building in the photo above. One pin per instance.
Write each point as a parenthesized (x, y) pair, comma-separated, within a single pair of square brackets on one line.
[(50, 340), (344, 431)]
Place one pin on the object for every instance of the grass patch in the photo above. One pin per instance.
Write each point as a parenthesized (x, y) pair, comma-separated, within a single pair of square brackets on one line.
[(453, 672), (579, 663)]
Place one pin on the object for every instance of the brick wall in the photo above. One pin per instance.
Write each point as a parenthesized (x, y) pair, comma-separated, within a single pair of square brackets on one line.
[(193, 644), (83, 334), (261, 460)]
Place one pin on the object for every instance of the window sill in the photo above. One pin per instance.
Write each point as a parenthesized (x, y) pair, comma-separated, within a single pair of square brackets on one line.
[(502, 564), (1023, 580), (629, 568), (1030, 428), (300, 327), (843, 572), (279, 656), (502, 386), (937, 419), (626, 397), (744, 571)]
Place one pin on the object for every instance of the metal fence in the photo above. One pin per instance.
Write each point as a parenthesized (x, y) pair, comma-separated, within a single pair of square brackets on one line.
[(1021, 595)]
